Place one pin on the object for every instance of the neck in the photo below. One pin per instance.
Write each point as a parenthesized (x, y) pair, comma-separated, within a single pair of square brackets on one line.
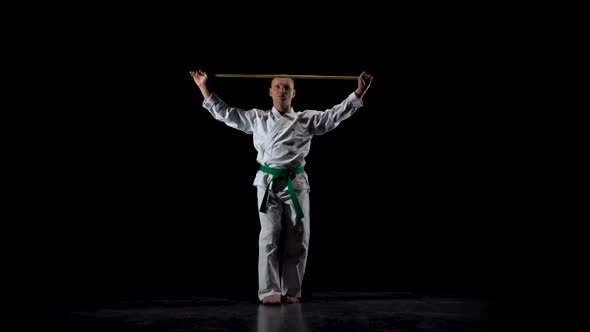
[(282, 108)]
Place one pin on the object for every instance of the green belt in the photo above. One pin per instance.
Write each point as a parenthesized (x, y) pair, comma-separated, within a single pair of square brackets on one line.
[(289, 174)]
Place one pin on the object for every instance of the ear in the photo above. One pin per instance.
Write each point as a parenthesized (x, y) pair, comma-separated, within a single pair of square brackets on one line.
[(270, 92), (294, 93)]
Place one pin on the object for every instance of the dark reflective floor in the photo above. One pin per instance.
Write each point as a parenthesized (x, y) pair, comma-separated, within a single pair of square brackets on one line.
[(322, 312)]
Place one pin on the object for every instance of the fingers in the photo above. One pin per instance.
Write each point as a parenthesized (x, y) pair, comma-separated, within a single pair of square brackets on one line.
[(365, 76), (195, 73), (368, 78)]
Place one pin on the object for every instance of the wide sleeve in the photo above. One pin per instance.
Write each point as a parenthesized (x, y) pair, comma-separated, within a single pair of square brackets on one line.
[(321, 122), (234, 117)]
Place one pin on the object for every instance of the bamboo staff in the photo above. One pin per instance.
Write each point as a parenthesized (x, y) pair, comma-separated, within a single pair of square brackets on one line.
[(310, 77)]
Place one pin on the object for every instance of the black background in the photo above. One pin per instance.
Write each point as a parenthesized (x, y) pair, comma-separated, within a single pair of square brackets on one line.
[(140, 192)]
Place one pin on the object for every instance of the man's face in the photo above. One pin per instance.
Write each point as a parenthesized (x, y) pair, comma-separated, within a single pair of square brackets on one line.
[(282, 90)]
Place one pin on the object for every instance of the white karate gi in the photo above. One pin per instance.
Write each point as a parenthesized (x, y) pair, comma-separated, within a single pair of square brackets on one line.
[(282, 141)]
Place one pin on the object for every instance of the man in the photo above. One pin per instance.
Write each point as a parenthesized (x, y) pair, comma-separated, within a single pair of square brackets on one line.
[(282, 139)]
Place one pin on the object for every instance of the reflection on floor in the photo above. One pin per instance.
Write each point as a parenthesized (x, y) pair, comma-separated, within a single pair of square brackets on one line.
[(322, 312)]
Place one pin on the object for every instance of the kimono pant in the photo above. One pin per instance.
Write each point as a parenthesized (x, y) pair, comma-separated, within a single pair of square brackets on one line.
[(280, 272)]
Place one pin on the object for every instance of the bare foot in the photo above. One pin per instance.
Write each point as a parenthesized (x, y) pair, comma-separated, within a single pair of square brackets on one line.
[(291, 299), (272, 299)]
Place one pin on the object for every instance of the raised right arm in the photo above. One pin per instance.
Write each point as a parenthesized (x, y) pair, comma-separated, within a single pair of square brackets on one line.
[(201, 78), (232, 116)]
